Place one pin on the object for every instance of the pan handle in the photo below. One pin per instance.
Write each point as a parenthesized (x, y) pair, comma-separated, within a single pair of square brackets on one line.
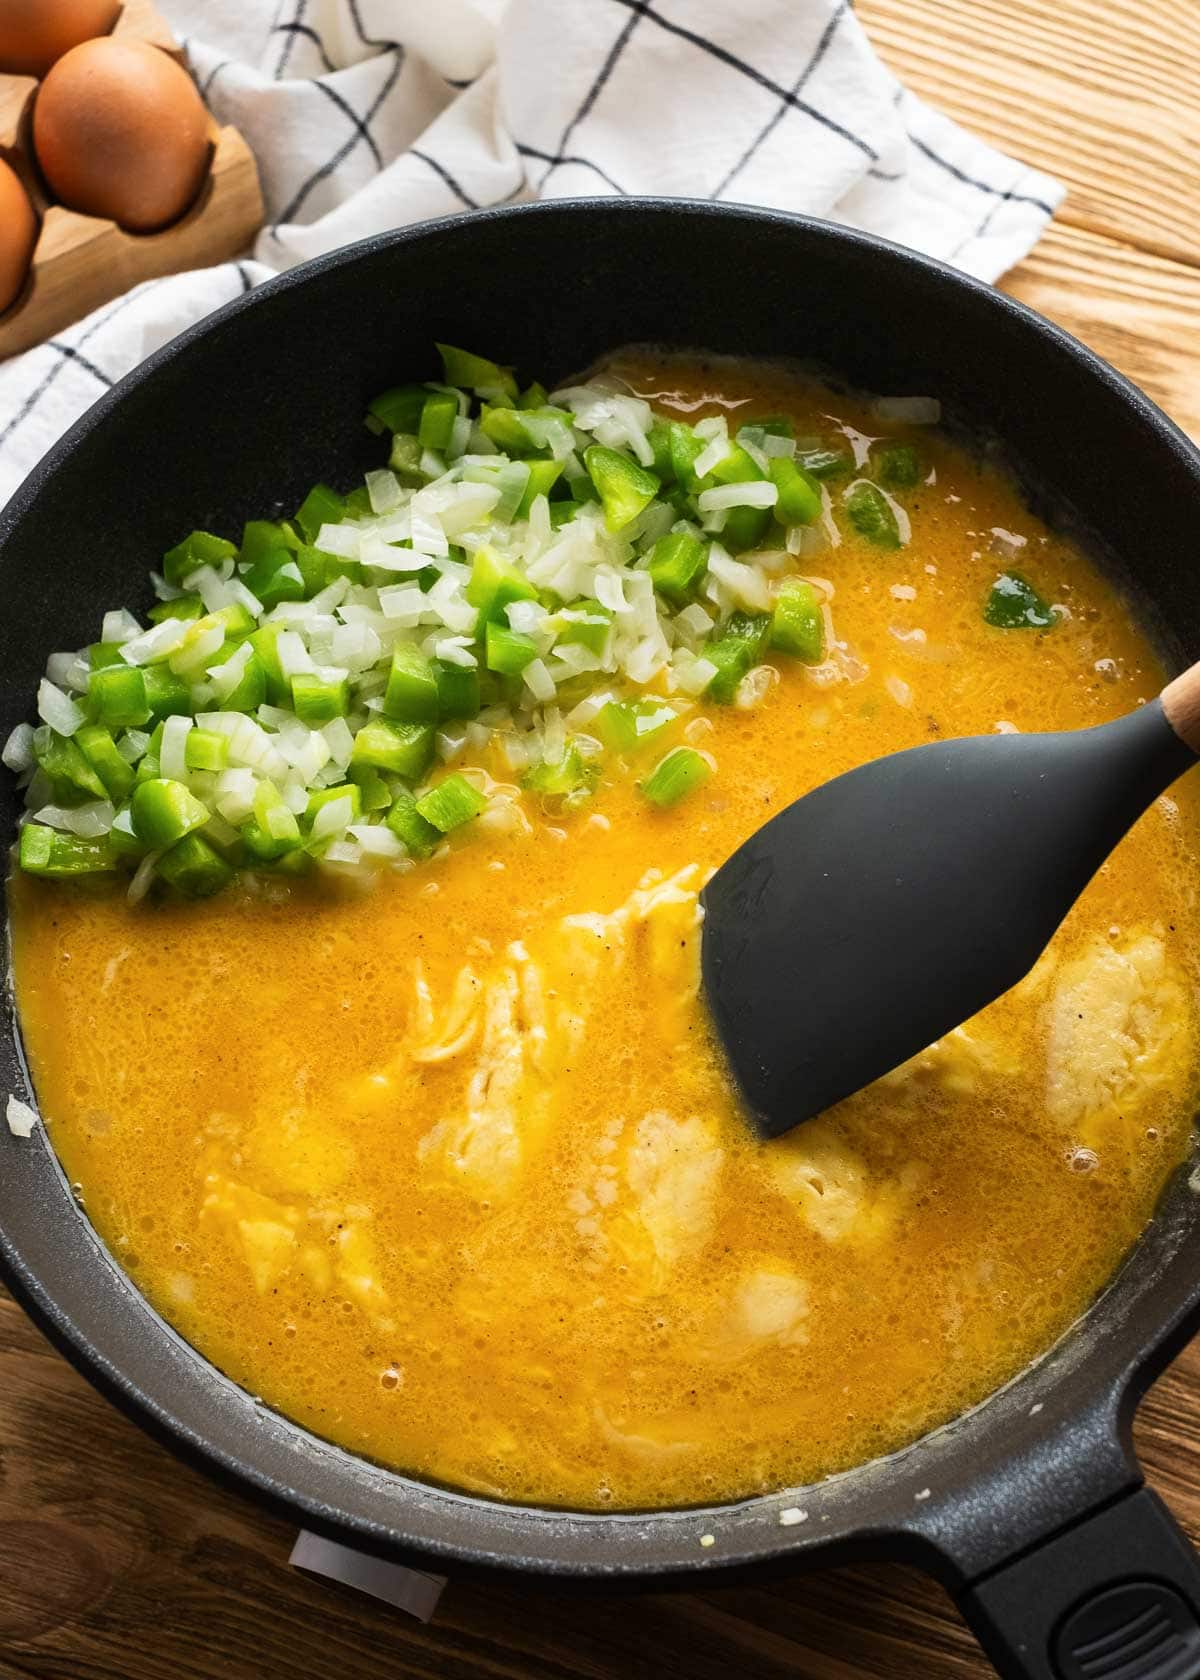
[(1114, 1597)]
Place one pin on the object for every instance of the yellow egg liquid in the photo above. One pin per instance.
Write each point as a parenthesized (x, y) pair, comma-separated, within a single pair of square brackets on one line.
[(450, 1172)]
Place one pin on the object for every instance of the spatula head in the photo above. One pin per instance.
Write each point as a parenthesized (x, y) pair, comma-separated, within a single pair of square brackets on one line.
[(889, 905)]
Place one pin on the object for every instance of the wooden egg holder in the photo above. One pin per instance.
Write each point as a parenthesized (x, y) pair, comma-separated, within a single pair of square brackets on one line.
[(81, 262)]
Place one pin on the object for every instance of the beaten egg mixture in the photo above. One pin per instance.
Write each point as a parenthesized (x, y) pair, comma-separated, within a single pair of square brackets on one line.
[(450, 1172)]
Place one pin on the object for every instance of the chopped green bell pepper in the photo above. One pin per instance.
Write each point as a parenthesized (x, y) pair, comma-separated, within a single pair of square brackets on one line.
[(458, 689), (116, 696), (628, 725), (44, 851), (71, 776), (450, 804), (164, 811), (1014, 604), (438, 414), (475, 373), (322, 506), (98, 747), (675, 775), (412, 688), (399, 410), (406, 822), (200, 548), (494, 584), (735, 651), (624, 487), (317, 701), (404, 749), (676, 564), (797, 625), (799, 499), (872, 515), (192, 867), (508, 651), (897, 466)]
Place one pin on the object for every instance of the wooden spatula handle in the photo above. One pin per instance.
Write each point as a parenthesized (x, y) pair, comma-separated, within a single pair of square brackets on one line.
[(1181, 705)]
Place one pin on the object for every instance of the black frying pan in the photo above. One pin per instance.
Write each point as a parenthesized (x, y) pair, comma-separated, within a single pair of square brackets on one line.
[(1031, 1508)]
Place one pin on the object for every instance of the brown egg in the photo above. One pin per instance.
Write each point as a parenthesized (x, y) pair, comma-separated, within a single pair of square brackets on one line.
[(33, 33), (18, 235), (120, 131)]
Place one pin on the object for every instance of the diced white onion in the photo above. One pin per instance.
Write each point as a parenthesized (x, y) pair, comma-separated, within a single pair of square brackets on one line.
[(119, 626), (227, 676), (376, 839), (383, 490), (912, 411), (87, 821), (172, 755), (333, 818), (538, 680), (57, 709), (21, 1118), (342, 540), (18, 749), (756, 493), (155, 643)]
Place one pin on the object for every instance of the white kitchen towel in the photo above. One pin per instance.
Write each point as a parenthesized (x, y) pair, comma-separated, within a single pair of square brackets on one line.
[(368, 114)]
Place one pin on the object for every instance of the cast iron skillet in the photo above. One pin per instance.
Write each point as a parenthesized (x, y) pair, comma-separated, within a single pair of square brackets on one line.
[(1031, 1508)]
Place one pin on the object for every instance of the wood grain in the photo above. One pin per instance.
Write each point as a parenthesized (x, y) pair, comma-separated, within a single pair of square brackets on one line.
[(117, 1563), (1104, 94)]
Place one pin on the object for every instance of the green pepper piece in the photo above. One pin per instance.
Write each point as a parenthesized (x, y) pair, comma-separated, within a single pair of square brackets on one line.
[(404, 457), (825, 463), (200, 548), (561, 513), (507, 430), (116, 696), (476, 373), (872, 515), (590, 628), (494, 584), (799, 499), (674, 776), (535, 397), (458, 689), (659, 439), (543, 475), (735, 651), (897, 466), (264, 847), (628, 725), (373, 790), (676, 564), (625, 488), (322, 506), (265, 642), (186, 607), (412, 690), (438, 415), (684, 446), (399, 410), (404, 749), (797, 626), (102, 654), (98, 747), (316, 701), (192, 867), (262, 536), (46, 852), (275, 577), (251, 690), (451, 803), (164, 811), (72, 778), (508, 651), (206, 749), (1014, 604), (568, 774), (167, 695), (407, 823)]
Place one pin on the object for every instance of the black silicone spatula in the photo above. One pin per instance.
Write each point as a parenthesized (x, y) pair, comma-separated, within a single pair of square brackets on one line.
[(889, 905)]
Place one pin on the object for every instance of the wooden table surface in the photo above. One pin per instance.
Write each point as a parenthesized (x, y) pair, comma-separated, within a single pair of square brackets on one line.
[(116, 1563)]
